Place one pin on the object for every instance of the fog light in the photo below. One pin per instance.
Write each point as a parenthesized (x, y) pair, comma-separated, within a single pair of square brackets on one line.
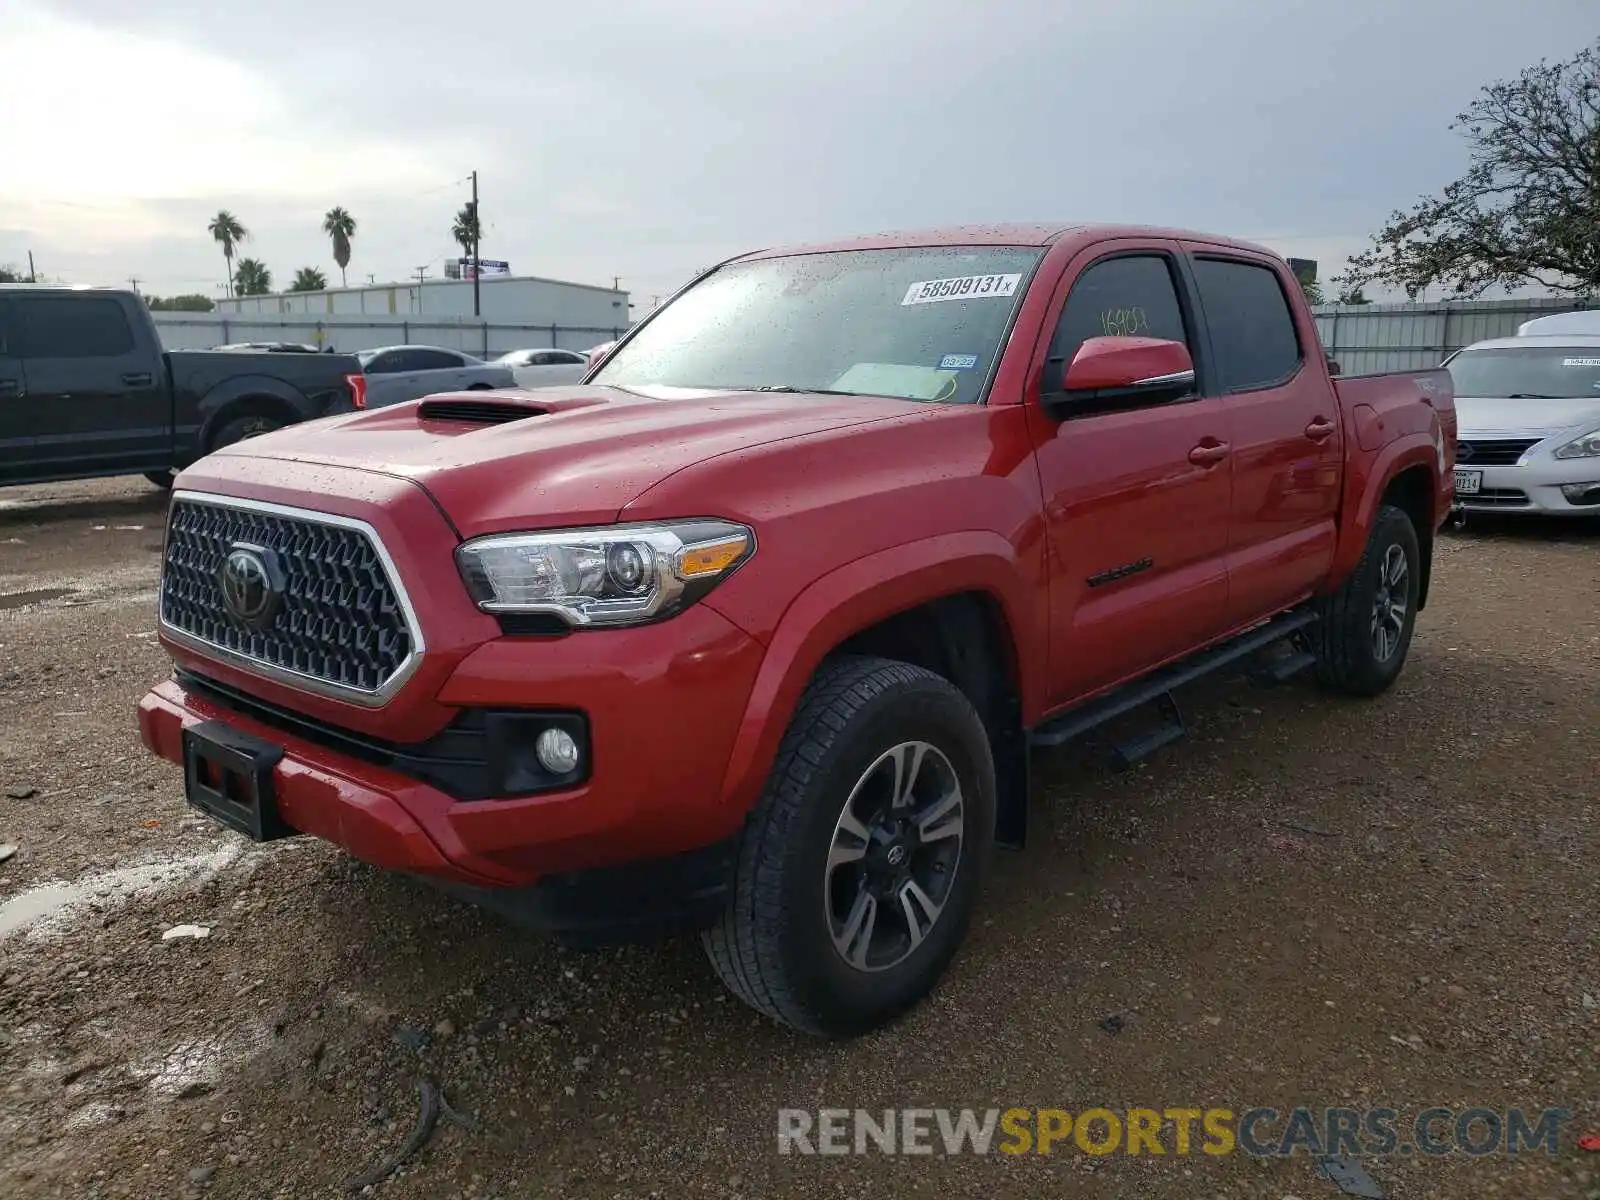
[(1581, 493), (557, 751)]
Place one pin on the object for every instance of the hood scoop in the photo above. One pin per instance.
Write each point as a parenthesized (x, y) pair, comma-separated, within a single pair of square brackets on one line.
[(478, 412)]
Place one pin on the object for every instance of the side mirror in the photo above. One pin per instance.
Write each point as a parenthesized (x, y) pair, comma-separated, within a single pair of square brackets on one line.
[(1106, 370)]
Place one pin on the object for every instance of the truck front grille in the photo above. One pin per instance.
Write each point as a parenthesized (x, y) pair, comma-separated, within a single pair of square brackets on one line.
[(328, 614)]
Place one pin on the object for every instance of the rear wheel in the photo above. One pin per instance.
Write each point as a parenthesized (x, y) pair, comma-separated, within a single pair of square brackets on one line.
[(1364, 633), (240, 428), (862, 862)]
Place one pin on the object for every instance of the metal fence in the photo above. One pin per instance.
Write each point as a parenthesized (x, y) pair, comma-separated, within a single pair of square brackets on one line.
[(1369, 338), (198, 331), (1364, 338)]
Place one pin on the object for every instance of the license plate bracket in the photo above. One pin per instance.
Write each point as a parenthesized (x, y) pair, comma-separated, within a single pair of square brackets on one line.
[(1469, 483), (227, 775)]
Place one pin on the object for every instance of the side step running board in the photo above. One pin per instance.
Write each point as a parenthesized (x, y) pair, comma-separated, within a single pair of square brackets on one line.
[(1158, 686)]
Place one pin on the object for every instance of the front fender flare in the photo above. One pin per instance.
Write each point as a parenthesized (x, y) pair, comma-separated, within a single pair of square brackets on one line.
[(858, 595)]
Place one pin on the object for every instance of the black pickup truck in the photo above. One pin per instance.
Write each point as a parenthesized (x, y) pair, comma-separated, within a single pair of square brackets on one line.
[(86, 389)]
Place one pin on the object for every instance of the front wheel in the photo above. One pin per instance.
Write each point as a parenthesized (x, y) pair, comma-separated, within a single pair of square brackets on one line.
[(162, 479), (1364, 633), (862, 862)]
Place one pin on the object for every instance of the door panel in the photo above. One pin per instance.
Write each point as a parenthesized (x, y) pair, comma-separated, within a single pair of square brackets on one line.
[(1121, 494), (96, 399), (1137, 530), (16, 437), (1288, 452)]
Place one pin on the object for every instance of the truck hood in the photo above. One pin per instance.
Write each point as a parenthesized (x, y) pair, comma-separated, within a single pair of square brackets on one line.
[(549, 457), (1489, 417)]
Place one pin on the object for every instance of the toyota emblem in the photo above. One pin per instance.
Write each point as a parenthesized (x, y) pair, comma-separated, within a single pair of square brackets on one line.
[(252, 585)]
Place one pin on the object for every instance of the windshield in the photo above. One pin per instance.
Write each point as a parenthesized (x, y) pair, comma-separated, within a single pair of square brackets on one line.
[(1532, 373), (918, 324)]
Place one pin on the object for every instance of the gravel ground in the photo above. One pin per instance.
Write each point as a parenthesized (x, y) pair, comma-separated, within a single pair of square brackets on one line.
[(1310, 901)]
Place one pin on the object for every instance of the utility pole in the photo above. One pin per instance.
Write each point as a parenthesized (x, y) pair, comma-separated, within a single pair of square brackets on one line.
[(616, 283), (422, 274), (477, 226), (32, 278), (134, 284)]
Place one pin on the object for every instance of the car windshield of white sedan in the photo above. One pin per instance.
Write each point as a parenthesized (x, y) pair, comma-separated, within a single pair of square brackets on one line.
[(916, 324), (1532, 373)]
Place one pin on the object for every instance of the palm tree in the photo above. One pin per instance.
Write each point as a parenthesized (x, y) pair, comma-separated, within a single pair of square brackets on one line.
[(341, 227), (308, 279), (465, 230), (252, 278), (227, 232)]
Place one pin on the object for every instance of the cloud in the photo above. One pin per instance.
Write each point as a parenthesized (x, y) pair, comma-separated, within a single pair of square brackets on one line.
[(647, 138)]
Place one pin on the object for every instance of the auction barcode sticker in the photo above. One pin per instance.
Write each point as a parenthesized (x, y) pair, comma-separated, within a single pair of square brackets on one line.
[(967, 287), (1580, 362)]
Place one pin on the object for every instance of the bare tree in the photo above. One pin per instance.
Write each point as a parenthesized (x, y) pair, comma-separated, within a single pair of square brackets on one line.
[(1528, 209)]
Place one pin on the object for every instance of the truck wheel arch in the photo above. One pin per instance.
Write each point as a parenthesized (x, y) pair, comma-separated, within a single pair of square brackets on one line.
[(956, 587), (1404, 473), (247, 396)]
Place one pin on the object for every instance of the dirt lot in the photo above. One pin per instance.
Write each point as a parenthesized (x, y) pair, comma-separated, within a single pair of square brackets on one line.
[(1308, 902)]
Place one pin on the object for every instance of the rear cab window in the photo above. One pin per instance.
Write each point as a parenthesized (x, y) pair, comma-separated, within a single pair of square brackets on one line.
[(75, 327), (1253, 335), (916, 323)]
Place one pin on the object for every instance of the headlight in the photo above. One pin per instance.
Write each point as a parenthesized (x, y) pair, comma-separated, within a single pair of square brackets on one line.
[(618, 575), (1587, 446)]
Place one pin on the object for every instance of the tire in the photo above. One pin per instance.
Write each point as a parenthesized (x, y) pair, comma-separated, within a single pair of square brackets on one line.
[(479, 387), (778, 945), (1346, 641), (240, 428), (162, 479)]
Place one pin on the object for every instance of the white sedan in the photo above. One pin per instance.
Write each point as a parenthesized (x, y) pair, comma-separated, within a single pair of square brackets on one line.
[(544, 366)]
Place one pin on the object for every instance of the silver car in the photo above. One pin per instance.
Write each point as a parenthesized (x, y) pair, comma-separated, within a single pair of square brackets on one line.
[(396, 374), (1529, 414), (545, 366)]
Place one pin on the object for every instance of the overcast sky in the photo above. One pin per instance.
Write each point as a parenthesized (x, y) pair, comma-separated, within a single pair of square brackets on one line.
[(646, 138)]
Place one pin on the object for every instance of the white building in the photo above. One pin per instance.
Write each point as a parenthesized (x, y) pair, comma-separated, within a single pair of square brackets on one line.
[(503, 299)]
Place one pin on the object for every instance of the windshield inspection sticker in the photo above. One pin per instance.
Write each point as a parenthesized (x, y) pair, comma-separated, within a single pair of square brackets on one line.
[(958, 362), (1580, 362), (967, 287)]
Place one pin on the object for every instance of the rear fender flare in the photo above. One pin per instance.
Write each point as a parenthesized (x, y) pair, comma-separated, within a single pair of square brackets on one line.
[(249, 393), (858, 595), (1365, 489)]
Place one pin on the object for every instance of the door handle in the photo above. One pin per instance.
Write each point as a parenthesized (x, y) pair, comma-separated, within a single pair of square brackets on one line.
[(1208, 454), (10, 387), (1320, 430), (138, 379)]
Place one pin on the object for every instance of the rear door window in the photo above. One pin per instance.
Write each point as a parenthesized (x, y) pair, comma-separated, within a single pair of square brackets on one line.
[(1252, 326), (431, 360), (75, 327)]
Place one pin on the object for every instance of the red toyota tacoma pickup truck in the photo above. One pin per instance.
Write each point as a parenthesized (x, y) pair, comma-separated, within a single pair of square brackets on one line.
[(752, 631)]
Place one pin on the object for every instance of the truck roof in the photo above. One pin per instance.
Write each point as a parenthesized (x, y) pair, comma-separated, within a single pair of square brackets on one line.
[(12, 289), (1004, 234)]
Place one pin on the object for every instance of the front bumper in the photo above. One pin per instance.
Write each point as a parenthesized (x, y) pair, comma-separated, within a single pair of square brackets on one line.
[(1533, 487), (664, 704)]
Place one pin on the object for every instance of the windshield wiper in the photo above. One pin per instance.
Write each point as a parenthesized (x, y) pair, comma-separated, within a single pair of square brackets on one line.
[(1531, 396), (784, 387)]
